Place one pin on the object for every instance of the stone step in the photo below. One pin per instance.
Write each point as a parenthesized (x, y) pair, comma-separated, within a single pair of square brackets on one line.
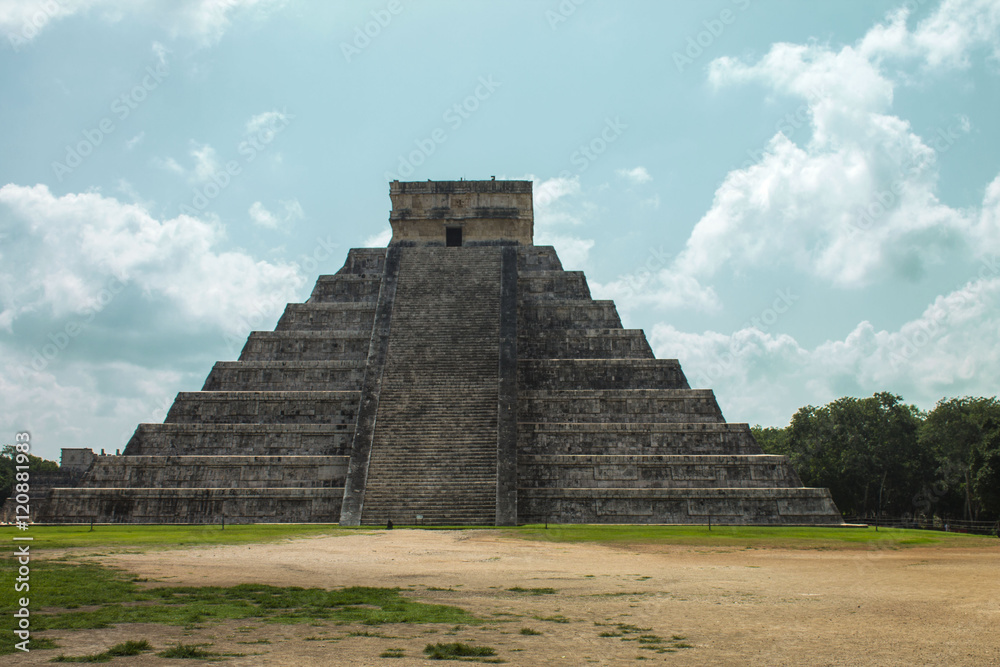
[(197, 506), (344, 316), (546, 313), (619, 405), (228, 471), (435, 440), (265, 407), (537, 258), (285, 376), (583, 344), (552, 285), (734, 506), (535, 374), (655, 471), (346, 287), (246, 439), (306, 346), (635, 438)]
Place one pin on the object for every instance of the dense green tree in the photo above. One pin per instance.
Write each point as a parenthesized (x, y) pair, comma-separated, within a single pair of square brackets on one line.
[(7, 470), (959, 433), (864, 450)]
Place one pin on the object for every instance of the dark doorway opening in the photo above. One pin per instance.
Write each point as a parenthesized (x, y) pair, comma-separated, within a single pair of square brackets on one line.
[(453, 236)]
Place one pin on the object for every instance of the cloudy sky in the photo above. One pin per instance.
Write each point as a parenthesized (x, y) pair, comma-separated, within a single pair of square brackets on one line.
[(800, 201)]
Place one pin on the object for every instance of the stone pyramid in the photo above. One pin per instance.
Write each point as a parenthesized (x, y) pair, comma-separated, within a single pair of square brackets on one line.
[(458, 377)]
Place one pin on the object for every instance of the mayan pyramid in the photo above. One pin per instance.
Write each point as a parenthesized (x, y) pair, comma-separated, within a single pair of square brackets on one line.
[(458, 377)]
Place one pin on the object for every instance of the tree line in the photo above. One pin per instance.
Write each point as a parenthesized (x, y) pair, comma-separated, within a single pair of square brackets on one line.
[(879, 455)]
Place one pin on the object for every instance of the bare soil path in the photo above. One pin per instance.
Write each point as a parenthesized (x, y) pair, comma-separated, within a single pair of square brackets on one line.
[(912, 606)]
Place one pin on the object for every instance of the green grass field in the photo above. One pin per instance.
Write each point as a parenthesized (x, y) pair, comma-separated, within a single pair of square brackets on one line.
[(125, 536)]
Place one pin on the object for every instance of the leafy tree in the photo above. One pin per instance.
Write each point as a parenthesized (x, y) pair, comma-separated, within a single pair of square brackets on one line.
[(986, 475), (864, 450), (959, 432), (7, 470)]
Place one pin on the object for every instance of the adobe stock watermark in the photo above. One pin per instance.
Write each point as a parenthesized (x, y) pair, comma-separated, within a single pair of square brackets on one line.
[(121, 108), (33, 25), (931, 328), (637, 280), (723, 363), (788, 125), (883, 201), (236, 334), (364, 34), (454, 116), (703, 39), (258, 139), (586, 154), (562, 12), (59, 340)]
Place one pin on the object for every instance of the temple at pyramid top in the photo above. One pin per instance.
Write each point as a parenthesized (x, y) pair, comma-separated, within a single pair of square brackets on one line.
[(461, 213)]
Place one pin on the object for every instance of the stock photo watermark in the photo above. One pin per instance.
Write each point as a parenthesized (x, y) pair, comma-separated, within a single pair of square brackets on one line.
[(364, 34), (723, 363), (21, 496), (258, 138), (867, 215), (33, 25), (562, 13), (703, 39), (59, 340), (121, 108), (454, 117)]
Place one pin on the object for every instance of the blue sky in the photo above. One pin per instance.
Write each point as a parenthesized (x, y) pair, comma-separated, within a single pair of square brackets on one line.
[(800, 201)]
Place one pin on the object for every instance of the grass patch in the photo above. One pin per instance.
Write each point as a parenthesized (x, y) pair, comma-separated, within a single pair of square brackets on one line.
[(558, 618), (187, 651), (533, 591), (111, 597), (764, 537), (118, 650), (104, 536), (529, 631), (392, 653), (457, 651), (644, 638)]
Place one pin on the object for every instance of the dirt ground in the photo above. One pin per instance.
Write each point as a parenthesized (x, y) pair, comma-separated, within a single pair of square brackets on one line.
[(910, 606)]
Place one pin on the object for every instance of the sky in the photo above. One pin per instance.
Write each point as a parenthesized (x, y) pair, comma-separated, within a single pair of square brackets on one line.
[(799, 201)]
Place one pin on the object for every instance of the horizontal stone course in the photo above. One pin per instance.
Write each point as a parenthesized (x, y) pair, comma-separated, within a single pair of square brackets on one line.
[(265, 407), (343, 316), (306, 346), (637, 438), (198, 506), (286, 376), (583, 344), (535, 374), (203, 439), (619, 405), (234, 471)]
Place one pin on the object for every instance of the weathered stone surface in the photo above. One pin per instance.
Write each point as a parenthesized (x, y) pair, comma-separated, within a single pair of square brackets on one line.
[(468, 385)]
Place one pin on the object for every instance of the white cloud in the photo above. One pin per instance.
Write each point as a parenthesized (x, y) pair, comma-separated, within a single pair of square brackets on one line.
[(264, 218), (266, 121), (206, 162), (858, 201), (135, 141), (168, 164), (943, 40), (637, 175), (949, 350), (379, 240), (657, 288), (204, 21), (71, 248)]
